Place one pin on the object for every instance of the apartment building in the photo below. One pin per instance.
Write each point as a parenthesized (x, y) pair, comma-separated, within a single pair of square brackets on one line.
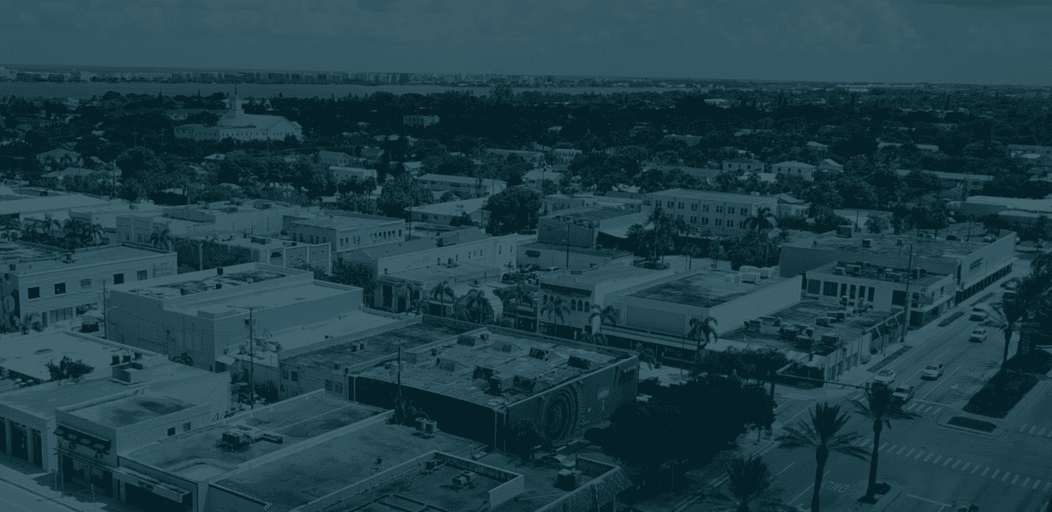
[(464, 184), (793, 168), (720, 213), (743, 164)]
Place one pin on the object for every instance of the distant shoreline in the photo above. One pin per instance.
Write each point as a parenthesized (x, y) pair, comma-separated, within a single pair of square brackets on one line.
[(85, 90)]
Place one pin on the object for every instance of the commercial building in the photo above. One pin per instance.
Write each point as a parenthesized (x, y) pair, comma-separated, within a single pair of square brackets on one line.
[(462, 184), (205, 315), (556, 202), (238, 125), (106, 215), (793, 168), (28, 401), (743, 164), (444, 213), (966, 184), (476, 383), (581, 227), (271, 250), (974, 264), (561, 256), (821, 339), (701, 174), (57, 207), (830, 165), (336, 158), (533, 157), (657, 314), (236, 216), (565, 156), (980, 206), (884, 288), (720, 213), (1017, 150), (48, 287), (345, 232), (418, 121)]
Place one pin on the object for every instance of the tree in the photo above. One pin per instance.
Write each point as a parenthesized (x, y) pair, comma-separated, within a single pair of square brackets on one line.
[(764, 220), (1030, 292), (512, 210), (880, 408), (748, 481), (877, 224), (556, 310), (161, 239), (754, 249), (823, 435), (701, 329), (400, 194), (606, 316), (68, 369), (462, 220), (440, 292), (692, 251), (513, 296)]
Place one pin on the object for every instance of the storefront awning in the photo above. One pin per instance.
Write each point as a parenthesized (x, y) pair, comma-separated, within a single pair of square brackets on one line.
[(79, 438), (153, 485)]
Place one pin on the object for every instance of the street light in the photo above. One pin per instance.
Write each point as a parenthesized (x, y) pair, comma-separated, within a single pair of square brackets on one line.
[(909, 274)]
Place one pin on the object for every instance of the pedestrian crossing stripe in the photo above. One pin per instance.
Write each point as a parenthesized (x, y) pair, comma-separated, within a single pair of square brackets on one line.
[(960, 464), (985, 471), (919, 455), (937, 459)]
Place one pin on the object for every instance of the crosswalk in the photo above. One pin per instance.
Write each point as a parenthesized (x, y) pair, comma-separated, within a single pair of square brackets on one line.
[(922, 408), (979, 470), (1035, 430)]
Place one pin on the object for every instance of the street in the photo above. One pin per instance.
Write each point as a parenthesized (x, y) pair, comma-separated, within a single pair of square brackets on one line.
[(16, 499)]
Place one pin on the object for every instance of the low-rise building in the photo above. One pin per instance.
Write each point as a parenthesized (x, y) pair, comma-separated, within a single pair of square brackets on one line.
[(556, 202), (270, 250), (793, 168), (342, 174), (344, 231), (55, 206), (565, 156), (59, 158), (237, 216), (581, 227), (562, 256), (444, 213), (861, 283), (830, 165), (718, 212), (462, 184), (535, 179), (966, 184), (47, 287), (703, 175), (419, 121), (204, 316), (743, 164), (533, 157), (334, 158)]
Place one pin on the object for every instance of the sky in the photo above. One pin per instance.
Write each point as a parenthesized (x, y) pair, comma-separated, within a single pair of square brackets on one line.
[(943, 41)]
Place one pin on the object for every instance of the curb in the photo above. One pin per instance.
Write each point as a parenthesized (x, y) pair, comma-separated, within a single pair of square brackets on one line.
[(887, 499), (38, 493)]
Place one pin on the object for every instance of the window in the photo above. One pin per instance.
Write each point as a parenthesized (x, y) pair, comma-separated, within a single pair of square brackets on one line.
[(719, 209), (704, 221), (171, 431), (34, 292), (719, 222), (843, 289), (285, 374), (670, 204), (680, 206), (829, 289), (730, 210), (679, 216), (328, 384), (704, 207), (186, 427), (693, 219), (814, 286), (586, 306), (118, 278), (141, 275), (295, 376), (60, 288), (694, 207), (626, 376), (870, 294), (338, 387), (85, 284)]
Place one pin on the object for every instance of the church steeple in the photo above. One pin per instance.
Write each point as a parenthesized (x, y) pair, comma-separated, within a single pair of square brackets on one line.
[(235, 105)]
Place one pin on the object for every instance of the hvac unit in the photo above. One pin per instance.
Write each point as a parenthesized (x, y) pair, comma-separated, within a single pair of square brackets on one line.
[(430, 427), (838, 271), (867, 242), (467, 339), (830, 339), (766, 273), (540, 353), (750, 277), (841, 316), (501, 383), (482, 372), (464, 478), (733, 278), (568, 479), (420, 422), (748, 268), (580, 362), (823, 321), (853, 269)]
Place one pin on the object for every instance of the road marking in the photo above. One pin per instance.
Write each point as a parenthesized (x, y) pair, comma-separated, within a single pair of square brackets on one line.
[(926, 409), (1016, 479), (882, 447), (1047, 485), (932, 390), (948, 459), (996, 471), (937, 459), (1032, 429), (939, 503), (784, 470), (930, 455), (1005, 478), (805, 490), (1022, 428), (976, 468), (868, 443), (1042, 432), (1036, 485), (965, 466), (1027, 481), (911, 452), (1049, 434), (911, 406), (900, 450), (985, 471), (919, 455), (936, 411), (955, 464), (892, 447)]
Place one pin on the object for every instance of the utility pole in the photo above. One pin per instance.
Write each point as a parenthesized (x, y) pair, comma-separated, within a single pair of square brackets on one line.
[(909, 274), (252, 358), (567, 245)]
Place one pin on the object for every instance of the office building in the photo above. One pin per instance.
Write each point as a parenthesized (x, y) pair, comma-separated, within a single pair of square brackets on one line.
[(719, 213), (345, 232), (884, 288), (793, 168)]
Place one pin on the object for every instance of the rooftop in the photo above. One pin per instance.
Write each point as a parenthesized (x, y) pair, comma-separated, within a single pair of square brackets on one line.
[(272, 298), (423, 244), (83, 258), (197, 455), (609, 253), (347, 324), (704, 288), (700, 195), (12, 251), (46, 203), (29, 355), (452, 207), (594, 276), (457, 272), (878, 273), (793, 163), (887, 244), (293, 481), (459, 179), (452, 372), (205, 280), (345, 221), (597, 213), (377, 345), (129, 410)]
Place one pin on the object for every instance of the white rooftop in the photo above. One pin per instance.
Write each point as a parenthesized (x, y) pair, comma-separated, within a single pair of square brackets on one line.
[(29, 355)]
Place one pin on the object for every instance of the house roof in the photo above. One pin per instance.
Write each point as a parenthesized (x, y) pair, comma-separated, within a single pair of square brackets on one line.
[(794, 164), (48, 203), (57, 154), (459, 179), (468, 206), (252, 120)]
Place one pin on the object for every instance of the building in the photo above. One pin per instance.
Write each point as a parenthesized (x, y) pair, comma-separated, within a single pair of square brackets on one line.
[(535, 179), (930, 148), (49, 287), (55, 206), (205, 219), (817, 146), (721, 213), (973, 264), (582, 227), (789, 206), (28, 411), (565, 156), (533, 157), (444, 213), (334, 158), (473, 383), (418, 121), (967, 184), (830, 165), (342, 174), (821, 339), (270, 250), (1018, 150), (344, 231), (743, 164), (657, 313), (562, 256), (632, 201), (106, 215), (792, 168), (59, 158), (70, 172), (439, 183), (205, 315), (238, 125), (884, 288), (703, 175), (557, 202), (182, 114)]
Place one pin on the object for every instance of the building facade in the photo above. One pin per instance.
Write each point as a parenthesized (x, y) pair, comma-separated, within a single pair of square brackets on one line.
[(345, 232), (743, 164), (884, 288), (720, 213), (792, 168), (462, 184)]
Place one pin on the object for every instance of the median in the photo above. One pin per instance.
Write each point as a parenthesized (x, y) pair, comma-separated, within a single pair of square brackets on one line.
[(1000, 394)]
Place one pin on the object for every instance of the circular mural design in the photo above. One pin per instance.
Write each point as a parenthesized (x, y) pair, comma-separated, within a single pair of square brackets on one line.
[(561, 414)]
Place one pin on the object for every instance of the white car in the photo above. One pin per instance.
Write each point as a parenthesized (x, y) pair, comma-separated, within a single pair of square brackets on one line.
[(979, 313), (978, 336), (932, 371), (885, 377)]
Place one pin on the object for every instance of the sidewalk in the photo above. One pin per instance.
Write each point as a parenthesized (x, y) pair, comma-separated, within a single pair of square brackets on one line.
[(34, 481)]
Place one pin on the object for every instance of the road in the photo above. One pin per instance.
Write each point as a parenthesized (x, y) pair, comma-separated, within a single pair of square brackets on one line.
[(938, 464)]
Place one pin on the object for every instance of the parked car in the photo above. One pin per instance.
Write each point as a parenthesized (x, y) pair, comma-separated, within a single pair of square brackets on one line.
[(979, 313), (885, 377), (932, 371), (903, 393), (978, 336)]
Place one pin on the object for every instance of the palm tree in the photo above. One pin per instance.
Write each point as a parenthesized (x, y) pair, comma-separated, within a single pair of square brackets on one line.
[(701, 329), (606, 316), (161, 239), (94, 233), (440, 292), (555, 309), (475, 302), (646, 355), (880, 408), (73, 228), (823, 435), (402, 291), (764, 220), (49, 226), (513, 296), (692, 251), (1030, 292), (748, 481)]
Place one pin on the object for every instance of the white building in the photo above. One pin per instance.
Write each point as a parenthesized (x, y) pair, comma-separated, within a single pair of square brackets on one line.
[(718, 212), (463, 184), (792, 168), (238, 125)]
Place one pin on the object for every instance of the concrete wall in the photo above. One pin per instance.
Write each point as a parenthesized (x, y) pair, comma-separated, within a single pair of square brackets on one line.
[(148, 431), (732, 314), (987, 260), (493, 252), (551, 257), (221, 499)]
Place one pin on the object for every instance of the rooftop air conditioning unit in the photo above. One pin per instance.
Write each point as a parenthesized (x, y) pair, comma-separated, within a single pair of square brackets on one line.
[(766, 273), (867, 242), (430, 427), (748, 268), (482, 372), (853, 269), (750, 277), (733, 278), (501, 383), (540, 353), (823, 321), (580, 362), (467, 339), (809, 331), (841, 316), (838, 271), (830, 339), (568, 479)]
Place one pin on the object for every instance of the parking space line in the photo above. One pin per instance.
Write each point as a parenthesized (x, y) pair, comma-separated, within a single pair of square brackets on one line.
[(948, 459), (1032, 429), (926, 409), (930, 455), (806, 490), (1042, 432), (911, 452), (869, 443), (882, 447), (937, 459), (1022, 428), (1016, 479), (919, 455), (1049, 434), (955, 464), (1005, 477), (936, 411), (1047, 486), (965, 466)]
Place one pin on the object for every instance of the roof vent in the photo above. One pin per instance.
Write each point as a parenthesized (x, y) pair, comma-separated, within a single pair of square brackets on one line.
[(540, 353), (580, 362), (467, 339), (867, 242)]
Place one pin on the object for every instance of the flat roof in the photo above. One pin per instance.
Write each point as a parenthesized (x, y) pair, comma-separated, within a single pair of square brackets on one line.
[(452, 207), (712, 196), (344, 222), (879, 273), (197, 455), (886, 244), (269, 299), (705, 288), (298, 479), (452, 371), (124, 411), (594, 276), (37, 204), (29, 355), (591, 213), (610, 253), (11, 251), (203, 281), (377, 345), (88, 257), (423, 244), (444, 272), (349, 323), (461, 179)]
